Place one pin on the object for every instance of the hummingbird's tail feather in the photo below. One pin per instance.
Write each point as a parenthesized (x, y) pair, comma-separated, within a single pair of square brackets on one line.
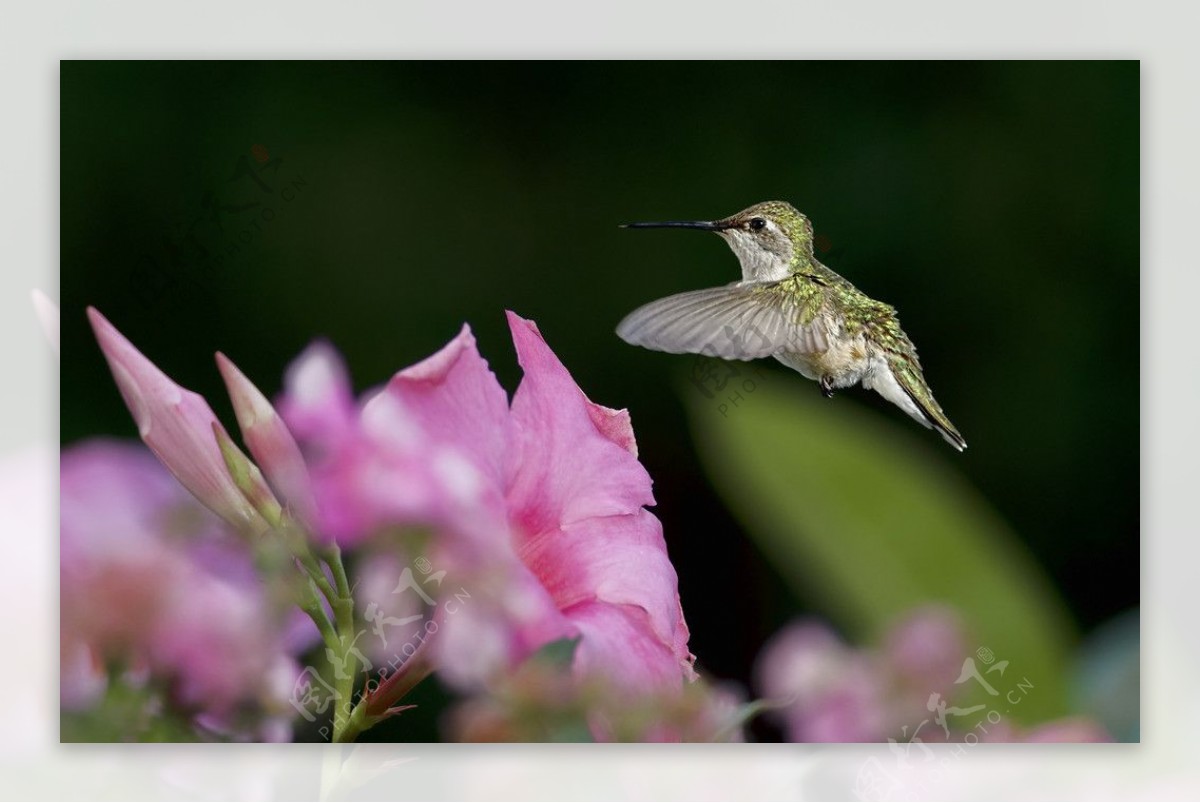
[(902, 384), (944, 428)]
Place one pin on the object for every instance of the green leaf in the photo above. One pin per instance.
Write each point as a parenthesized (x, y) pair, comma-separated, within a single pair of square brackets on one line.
[(126, 714), (867, 517), (555, 654)]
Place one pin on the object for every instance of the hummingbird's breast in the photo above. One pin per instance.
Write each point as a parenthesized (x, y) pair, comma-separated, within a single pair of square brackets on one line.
[(846, 359)]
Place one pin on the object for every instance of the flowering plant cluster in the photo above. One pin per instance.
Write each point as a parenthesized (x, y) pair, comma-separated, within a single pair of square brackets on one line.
[(505, 547), (915, 688), (429, 527)]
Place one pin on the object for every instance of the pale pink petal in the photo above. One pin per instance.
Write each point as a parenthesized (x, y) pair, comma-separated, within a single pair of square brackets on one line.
[(392, 614), (361, 488), (453, 398), (799, 662), (619, 645), (850, 710), (82, 679), (116, 502), (375, 465), (214, 641), (317, 401), (177, 425), (615, 425), (151, 579), (833, 693), (118, 493), (567, 469), (926, 649), (270, 442), (432, 447), (499, 618), (620, 560)]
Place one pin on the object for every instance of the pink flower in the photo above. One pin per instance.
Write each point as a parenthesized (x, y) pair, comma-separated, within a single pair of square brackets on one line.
[(539, 508), (155, 583), (829, 691), (926, 648), (177, 425), (270, 442)]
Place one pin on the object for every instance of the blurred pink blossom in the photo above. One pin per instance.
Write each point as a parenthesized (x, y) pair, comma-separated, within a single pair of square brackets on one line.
[(154, 584), (832, 692), (829, 691), (538, 508)]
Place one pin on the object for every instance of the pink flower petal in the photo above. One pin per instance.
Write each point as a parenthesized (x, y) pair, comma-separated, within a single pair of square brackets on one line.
[(453, 398), (153, 580), (318, 401), (567, 468), (620, 560), (615, 425), (270, 442), (177, 425), (506, 618), (619, 645), (82, 680), (927, 648), (835, 694)]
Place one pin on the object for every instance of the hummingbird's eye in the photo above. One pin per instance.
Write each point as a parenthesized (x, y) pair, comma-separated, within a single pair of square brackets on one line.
[(757, 224)]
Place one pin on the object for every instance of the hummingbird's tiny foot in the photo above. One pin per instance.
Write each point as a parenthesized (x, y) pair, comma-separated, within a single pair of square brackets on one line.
[(827, 387)]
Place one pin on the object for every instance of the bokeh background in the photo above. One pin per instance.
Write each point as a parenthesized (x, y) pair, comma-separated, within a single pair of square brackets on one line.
[(250, 207)]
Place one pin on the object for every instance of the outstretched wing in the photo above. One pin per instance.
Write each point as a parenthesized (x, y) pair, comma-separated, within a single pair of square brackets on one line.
[(735, 322)]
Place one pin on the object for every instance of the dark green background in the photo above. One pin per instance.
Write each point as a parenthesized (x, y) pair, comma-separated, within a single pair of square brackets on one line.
[(994, 204)]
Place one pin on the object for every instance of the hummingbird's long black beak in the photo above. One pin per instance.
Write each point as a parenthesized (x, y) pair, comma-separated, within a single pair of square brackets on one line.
[(704, 225)]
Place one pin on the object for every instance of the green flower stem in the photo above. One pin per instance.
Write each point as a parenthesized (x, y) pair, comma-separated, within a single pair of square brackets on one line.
[(343, 611), (310, 603), (339, 635), (333, 556), (372, 710), (312, 568), (355, 724)]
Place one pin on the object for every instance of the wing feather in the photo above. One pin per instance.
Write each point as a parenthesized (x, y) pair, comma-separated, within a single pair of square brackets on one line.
[(734, 322)]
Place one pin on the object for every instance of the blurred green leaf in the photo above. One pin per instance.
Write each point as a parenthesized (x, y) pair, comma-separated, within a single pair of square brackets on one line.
[(127, 714), (555, 654), (1107, 676), (867, 517)]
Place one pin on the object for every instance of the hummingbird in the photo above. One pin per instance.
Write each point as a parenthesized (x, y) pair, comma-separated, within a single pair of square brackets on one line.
[(791, 307)]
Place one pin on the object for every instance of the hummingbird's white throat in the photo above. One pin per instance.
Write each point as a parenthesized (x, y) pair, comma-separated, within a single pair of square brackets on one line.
[(765, 256)]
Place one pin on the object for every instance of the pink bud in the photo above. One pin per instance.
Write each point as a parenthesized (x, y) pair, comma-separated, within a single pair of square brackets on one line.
[(177, 424), (271, 443)]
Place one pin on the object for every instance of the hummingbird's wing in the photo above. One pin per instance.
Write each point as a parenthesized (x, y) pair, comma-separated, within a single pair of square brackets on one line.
[(735, 322)]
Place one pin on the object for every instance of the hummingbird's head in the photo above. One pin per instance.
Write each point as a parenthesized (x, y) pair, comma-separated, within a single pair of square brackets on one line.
[(770, 239)]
